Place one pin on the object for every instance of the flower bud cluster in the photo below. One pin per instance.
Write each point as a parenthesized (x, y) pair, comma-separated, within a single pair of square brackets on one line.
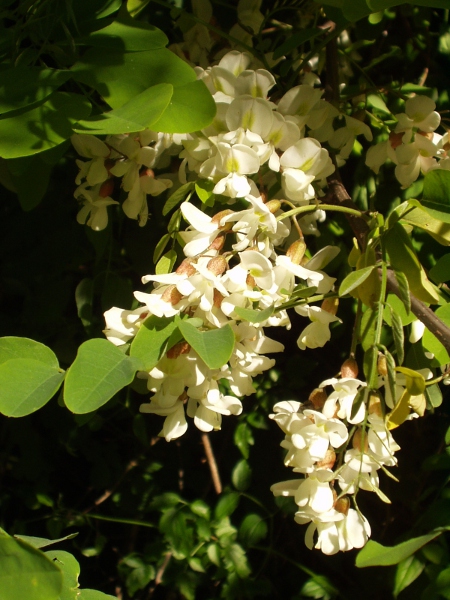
[(335, 463), (413, 146)]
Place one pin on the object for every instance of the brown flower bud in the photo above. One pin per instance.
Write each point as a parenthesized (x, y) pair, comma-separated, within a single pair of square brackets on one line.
[(349, 368), (375, 405), (396, 139), (218, 243), (382, 365), (217, 298), (317, 398), (217, 265), (250, 281), (328, 460), (171, 295), (360, 437), (330, 305), (273, 205), (106, 189), (296, 251), (186, 268), (181, 348), (342, 505), (219, 216)]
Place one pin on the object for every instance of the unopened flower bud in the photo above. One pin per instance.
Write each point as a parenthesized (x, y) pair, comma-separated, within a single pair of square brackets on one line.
[(181, 348), (328, 460), (359, 438), (318, 398), (428, 135), (396, 139), (106, 189), (186, 268), (296, 251), (218, 243), (171, 295), (109, 164), (219, 216), (250, 281), (375, 405), (349, 368), (147, 173), (382, 365), (217, 298), (217, 265), (273, 206), (330, 305), (342, 505)]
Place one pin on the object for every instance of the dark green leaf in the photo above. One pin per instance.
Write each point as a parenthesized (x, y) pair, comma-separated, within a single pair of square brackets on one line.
[(241, 475), (397, 333), (99, 371), (253, 529), (440, 273), (129, 35), (243, 438), (25, 86), (367, 328), (160, 247), (226, 505), (431, 343), (436, 186), (43, 127), (403, 287), (178, 196)]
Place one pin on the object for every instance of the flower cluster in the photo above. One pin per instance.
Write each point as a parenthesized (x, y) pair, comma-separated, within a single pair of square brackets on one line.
[(317, 442), (413, 146)]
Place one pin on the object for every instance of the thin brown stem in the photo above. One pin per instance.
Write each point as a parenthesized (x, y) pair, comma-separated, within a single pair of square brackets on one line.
[(215, 475)]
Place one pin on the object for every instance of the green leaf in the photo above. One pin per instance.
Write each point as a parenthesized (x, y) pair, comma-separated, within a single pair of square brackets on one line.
[(403, 258), (190, 108), (431, 343), (440, 273), (129, 35), (70, 570), (43, 127), (178, 196), (243, 438), (374, 554), (203, 189), (403, 288), (19, 347), (442, 583), (226, 505), (99, 371), (433, 395), (397, 333), (354, 279), (407, 571), (151, 340), (138, 113), (296, 40), (26, 573), (94, 595), (38, 542), (25, 86), (119, 77), (367, 328), (436, 186), (166, 263), (236, 560), (214, 347), (26, 385), (399, 308), (434, 222), (415, 382), (252, 530), (254, 316), (31, 174), (241, 475)]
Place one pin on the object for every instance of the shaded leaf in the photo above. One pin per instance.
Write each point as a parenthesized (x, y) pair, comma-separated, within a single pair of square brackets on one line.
[(151, 340), (354, 279), (214, 346)]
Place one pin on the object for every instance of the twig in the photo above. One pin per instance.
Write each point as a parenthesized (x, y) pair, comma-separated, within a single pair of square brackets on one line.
[(215, 476), (160, 574), (107, 493)]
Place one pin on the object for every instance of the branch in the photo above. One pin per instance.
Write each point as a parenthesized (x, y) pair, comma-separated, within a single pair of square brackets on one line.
[(212, 463)]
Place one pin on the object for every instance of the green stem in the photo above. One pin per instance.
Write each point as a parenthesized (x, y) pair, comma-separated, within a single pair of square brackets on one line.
[(313, 207), (119, 520)]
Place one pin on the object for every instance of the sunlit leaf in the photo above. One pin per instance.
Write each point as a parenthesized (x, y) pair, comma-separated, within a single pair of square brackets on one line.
[(214, 346), (374, 554)]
